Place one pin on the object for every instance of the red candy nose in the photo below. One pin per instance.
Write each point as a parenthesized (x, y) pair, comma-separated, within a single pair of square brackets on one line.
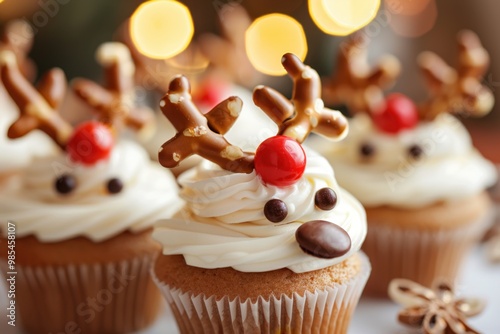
[(280, 161), (209, 94), (398, 113), (91, 141)]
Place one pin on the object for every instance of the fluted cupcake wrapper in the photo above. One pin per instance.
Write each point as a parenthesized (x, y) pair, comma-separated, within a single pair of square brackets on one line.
[(423, 256), (116, 297), (323, 311)]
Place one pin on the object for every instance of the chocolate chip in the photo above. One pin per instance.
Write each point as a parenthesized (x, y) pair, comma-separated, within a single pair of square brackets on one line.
[(323, 239), (415, 151), (65, 184), (115, 186), (325, 199), (367, 150), (275, 210)]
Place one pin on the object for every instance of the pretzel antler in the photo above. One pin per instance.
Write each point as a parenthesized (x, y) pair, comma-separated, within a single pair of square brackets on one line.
[(18, 38), (115, 102), (460, 90), (306, 111), (355, 83), (227, 53), (201, 134), (38, 107)]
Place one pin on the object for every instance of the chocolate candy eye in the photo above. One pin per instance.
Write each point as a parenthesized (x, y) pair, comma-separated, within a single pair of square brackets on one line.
[(325, 199), (65, 184), (415, 151), (114, 186), (275, 210), (367, 150)]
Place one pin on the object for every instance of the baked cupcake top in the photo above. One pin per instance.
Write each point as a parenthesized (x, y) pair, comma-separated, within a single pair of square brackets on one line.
[(97, 186), (407, 155), (277, 207)]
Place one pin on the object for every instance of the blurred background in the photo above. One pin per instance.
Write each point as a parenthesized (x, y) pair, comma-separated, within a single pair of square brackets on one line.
[(67, 33)]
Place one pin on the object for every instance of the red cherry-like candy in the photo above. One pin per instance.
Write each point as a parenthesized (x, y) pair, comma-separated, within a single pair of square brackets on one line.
[(280, 161), (91, 141), (210, 93), (399, 113)]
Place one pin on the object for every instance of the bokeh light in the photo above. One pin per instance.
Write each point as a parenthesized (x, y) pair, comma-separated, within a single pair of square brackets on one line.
[(340, 17), (353, 14), (324, 22), (271, 36), (161, 29)]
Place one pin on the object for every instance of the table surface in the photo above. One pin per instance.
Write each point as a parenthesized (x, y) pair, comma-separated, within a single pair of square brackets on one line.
[(479, 278)]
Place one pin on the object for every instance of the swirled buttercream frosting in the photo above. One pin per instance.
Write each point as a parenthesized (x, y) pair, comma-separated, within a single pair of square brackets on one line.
[(223, 223), (148, 193), (433, 162)]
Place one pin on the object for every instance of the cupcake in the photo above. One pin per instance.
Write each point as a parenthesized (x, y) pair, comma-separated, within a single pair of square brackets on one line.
[(19, 153), (82, 220), (414, 168), (267, 241)]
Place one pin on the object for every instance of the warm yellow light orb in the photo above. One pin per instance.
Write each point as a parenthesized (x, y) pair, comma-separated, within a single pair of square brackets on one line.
[(341, 17), (321, 18), (161, 29), (353, 14), (271, 36)]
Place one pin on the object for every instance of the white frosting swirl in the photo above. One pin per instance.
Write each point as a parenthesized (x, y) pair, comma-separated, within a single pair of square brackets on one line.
[(19, 152), (149, 193), (223, 222), (449, 168)]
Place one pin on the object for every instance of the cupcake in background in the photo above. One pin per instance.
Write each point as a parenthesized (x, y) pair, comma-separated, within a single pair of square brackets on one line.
[(267, 241), (83, 218), (14, 154), (413, 167)]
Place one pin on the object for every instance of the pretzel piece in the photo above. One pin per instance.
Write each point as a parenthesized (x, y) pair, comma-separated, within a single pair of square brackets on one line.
[(18, 38), (38, 107), (357, 84), (114, 103), (194, 131), (227, 52), (306, 111), (457, 90)]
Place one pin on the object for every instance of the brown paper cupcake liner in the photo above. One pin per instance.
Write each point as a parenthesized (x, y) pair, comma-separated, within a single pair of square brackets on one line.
[(116, 297), (419, 255), (323, 311)]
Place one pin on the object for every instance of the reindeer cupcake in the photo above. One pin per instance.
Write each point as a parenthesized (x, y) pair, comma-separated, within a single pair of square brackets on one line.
[(17, 39), (83, 218), (412, 165), (267, 241)]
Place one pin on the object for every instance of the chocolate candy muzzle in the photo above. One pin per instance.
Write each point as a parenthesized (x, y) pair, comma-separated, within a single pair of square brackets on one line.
[(323, 239)]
